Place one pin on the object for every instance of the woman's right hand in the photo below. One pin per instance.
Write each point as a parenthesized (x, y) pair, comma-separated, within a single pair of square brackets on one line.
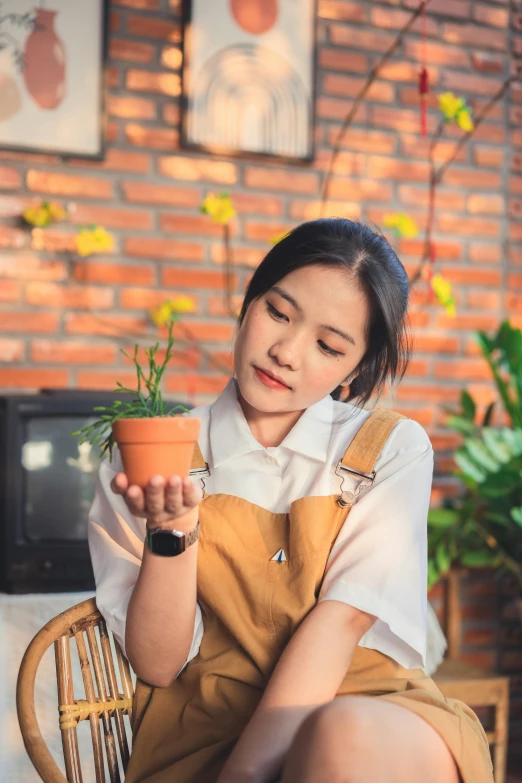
[(161, 503)]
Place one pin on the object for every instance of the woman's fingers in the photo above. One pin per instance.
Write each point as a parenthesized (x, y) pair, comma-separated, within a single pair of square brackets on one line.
[(119, 483), (192, 494), (174, 496), (155, 496)]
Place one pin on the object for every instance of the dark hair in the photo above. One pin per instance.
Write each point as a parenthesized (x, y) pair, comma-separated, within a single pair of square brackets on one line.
[(337, 242)]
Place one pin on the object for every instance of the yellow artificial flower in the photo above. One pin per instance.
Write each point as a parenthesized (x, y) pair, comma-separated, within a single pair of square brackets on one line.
[(444, 294), (455, 108), (219, 208), (170, 310), (403, 225), (93, 240), (43, 214)]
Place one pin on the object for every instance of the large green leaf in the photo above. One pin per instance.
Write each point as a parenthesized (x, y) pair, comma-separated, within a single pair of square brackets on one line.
[(495, 443), (500, 484), (469, 408), (469, 467), (479, 452), (479, 559), (461, 424), (442, 558), (516, 515), (488, 414), (443, 517)]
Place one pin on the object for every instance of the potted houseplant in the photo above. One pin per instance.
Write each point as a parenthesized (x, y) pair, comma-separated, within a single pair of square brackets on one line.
[(153, 437), (483, 526)]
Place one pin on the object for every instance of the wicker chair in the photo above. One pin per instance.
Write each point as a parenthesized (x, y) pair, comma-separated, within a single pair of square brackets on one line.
[(103, 703)]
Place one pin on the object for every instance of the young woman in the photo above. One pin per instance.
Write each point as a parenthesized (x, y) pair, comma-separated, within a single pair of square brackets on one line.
[(288, 642)]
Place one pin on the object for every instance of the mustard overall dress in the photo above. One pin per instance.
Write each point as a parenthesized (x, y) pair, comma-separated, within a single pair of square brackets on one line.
[(251, 607)]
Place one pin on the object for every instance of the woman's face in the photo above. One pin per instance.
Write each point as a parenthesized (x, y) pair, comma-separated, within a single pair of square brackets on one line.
[(308, 332)]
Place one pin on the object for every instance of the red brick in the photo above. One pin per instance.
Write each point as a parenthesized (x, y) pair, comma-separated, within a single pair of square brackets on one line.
[(156, 247), (490, 132), (68, 184), (186, 278), (471, 178), (469, 322), (92, 379), (201, 384), (340, 60), (402, 120), (9, 179), (360, 189), (417, 196), (152, 81), (515, 184), (171, 57), (373, 41), (106, 324), (115, 274), (148, 27), (181, 358), (245, 256), (151, 5), (196, 169), (474, 35), (201, 225), (64, 352), (445, 251), (31, 268), (154, 138), (515, 280), (146, 298), (310, 210), (350, 86), (418, 318), (132, 108), (513, 302), (13, 206), (516, 162), (446, 441), (24, 378), (11, 350), (11, 237), (435, 343), (516, 138), (119, 160), (113, 217), (347, 163), (470, 275), (209, 332), (265, 232), (470, 83), (130, 50), (436, 53), (217, 306), (415, 147), (28, 157), (288, 181), (487, 62), (496, 17), (396, 19), (484, 300), (53, 295), (488, 156), (145, 193), (486, 204), (391, 168), (9, 291), (460, 8), (114, 21), (409, 96), (424, 416), (171, 114), (365, 141), (515, 232), (336, 109), (401, 71), (19, 321), (221, 358), (344, 11), (257, 204), (113, 78), (477, 226)]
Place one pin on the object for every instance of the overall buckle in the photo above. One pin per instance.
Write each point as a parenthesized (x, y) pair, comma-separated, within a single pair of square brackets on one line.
[(347, 497)]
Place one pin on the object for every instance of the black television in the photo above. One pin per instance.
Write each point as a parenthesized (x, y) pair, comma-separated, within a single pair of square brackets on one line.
[(47, 483)]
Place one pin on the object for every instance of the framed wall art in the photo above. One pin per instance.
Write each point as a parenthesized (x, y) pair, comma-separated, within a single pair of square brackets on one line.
[(248, 85), (52, 76)]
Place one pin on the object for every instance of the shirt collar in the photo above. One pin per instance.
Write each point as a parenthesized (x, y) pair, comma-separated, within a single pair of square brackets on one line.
[(230, 435)]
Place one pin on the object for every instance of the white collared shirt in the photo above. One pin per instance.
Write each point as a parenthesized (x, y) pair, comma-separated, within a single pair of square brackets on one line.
[(378, 563)]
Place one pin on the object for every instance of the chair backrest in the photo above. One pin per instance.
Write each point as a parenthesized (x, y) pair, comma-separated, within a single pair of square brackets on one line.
[(101, 702)]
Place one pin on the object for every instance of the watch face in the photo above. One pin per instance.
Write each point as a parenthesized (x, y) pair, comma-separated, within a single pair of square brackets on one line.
[(166, 542)]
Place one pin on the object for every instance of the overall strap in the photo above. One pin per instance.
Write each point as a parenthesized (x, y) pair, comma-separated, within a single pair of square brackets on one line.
[(198, 463), (367, 444)]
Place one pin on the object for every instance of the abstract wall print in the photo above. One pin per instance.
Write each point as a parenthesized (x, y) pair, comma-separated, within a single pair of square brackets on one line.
[(52, 56), (249, 77)]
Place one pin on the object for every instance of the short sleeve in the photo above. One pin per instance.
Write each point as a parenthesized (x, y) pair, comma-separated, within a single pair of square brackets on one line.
[(116, 548), (378, 563)]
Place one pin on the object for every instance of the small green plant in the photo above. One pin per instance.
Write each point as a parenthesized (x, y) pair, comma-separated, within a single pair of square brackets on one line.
[(147, 400), (483, 526)]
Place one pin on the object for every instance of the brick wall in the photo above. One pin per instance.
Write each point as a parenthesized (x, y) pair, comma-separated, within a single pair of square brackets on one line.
[(62, 320)]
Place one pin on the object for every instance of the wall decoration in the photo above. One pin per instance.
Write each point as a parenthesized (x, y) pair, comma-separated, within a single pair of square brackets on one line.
[(249, 77), (52, 60)]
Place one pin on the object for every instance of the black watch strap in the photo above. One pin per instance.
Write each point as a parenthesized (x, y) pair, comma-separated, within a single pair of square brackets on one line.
[(169, 543)]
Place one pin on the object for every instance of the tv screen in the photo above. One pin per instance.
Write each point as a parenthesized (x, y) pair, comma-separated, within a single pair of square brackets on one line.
[(59, 477)]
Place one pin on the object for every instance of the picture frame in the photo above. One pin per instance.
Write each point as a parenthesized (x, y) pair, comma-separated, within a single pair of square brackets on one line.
[(248, 86), (53, 79)]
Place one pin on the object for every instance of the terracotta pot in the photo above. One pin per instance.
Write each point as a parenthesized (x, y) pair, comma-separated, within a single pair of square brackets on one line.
[(255, 16), (159, 446), (45, 59)]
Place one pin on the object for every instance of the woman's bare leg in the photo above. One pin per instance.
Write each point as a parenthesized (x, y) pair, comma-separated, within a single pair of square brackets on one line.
[(357, 739)]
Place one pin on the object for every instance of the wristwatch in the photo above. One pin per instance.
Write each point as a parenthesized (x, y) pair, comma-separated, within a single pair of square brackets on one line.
[(169, 543)]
